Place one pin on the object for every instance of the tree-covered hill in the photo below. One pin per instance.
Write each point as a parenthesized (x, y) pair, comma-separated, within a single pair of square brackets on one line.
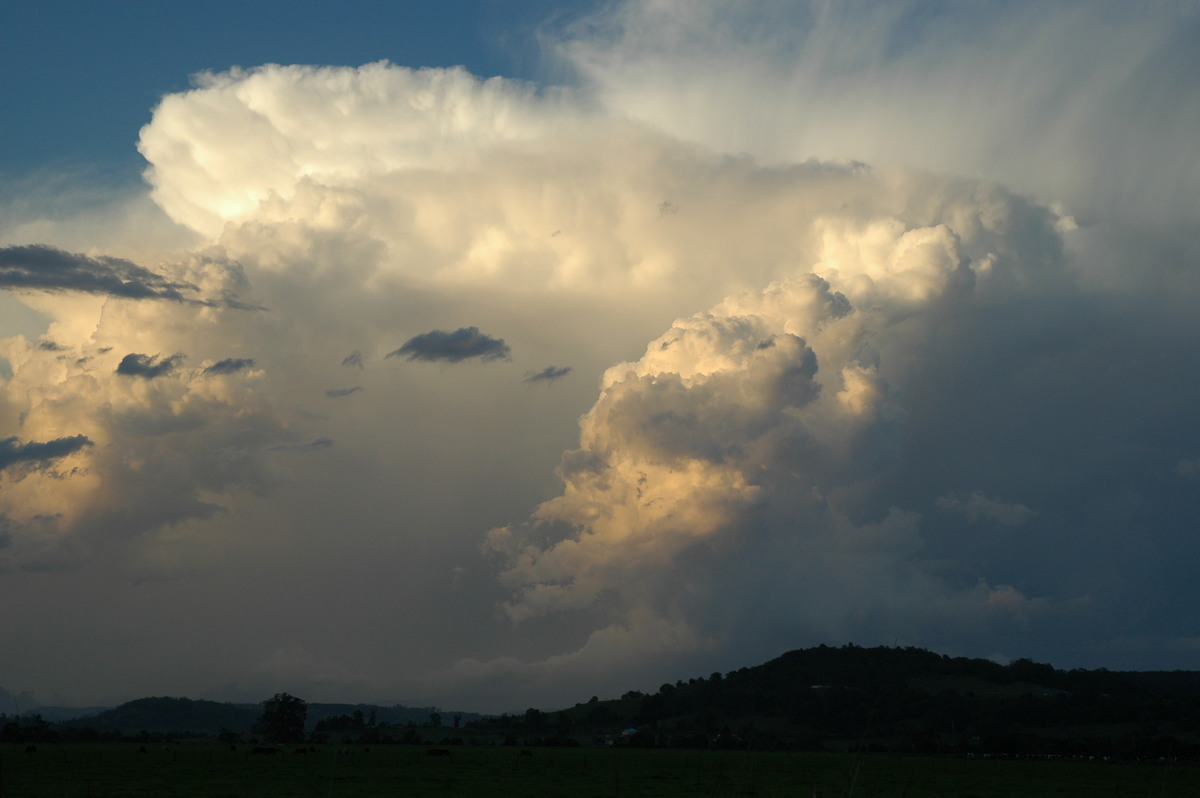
[(895, 699), (173, 715)]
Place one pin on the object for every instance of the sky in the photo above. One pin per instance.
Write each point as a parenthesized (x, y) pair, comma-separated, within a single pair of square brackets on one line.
[(497, 355)]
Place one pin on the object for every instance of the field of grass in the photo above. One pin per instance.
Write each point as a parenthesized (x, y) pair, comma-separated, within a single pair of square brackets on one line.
[(212, 770)]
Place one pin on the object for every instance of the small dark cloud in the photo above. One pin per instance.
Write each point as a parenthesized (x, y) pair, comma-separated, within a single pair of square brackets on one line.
[(44, 268), (548, 374), (135, 365), (230, 365), (316, 444), (462, 344), (337, 393), (12, 451), (51, 346), (49, 269), (355, 358)]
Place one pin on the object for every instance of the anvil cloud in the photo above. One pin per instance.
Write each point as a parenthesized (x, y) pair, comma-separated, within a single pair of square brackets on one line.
[(865, 345)]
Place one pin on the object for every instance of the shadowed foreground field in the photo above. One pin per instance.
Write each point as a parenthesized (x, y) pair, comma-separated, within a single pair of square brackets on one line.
[(98, 770)]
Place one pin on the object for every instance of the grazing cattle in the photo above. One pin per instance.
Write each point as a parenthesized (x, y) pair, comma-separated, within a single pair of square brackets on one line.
[(143, 750), (437, 752), (31, 749), (262, 749), (526, 752)]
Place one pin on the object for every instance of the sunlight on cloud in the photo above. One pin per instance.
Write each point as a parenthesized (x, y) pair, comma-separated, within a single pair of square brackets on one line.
[(809, 398)]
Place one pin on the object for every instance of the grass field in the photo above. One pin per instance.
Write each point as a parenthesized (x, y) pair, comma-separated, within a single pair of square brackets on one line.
[(211, 770)]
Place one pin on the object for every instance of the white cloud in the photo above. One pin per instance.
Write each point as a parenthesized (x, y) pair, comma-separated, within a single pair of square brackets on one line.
[(822, 367), (1085, 101)]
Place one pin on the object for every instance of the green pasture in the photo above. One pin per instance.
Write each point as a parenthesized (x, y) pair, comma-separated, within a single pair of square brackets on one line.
[(212, 770)]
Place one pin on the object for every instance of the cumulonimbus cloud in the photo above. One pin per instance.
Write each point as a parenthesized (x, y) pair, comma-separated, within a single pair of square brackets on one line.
[(465, 343), (849, 399), (401, 118)]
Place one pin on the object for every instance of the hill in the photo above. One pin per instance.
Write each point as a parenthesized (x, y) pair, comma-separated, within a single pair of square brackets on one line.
[(172, 716), (894, 699)]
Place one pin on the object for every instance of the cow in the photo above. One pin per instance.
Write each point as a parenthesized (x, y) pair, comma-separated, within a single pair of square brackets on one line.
[(437, 752)]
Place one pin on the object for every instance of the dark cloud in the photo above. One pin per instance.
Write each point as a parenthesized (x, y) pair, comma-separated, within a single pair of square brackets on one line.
[(149, 367), (44, 268), (12, 451), (337, 393), (548, 374), (355, 358), (230, 365), (316, 444), (462, 344), (51, 346)]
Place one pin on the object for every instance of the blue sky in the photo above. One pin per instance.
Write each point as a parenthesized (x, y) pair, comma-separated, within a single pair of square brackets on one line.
[(86, 75), (467, 353)]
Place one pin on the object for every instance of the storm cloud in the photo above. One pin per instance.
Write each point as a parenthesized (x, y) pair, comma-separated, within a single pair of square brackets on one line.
[(865, 346)]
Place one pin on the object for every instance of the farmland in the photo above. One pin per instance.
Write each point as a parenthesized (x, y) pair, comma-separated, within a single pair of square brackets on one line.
[(213, 770)]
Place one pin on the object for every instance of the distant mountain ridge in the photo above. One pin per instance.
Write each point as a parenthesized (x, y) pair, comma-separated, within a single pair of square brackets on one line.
[(165, 715)]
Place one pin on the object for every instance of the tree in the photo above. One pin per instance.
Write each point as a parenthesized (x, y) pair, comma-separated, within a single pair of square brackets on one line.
[(282, 719)]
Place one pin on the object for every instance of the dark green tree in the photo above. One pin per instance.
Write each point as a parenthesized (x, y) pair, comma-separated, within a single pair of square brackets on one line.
[(282, 719)]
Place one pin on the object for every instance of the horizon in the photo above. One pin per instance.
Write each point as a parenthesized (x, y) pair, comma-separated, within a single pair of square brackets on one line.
[(468, 354), (518, 711)]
